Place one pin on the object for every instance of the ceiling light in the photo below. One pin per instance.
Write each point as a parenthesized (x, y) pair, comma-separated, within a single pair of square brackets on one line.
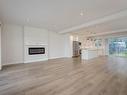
[(54, 25), (81, 14), (27, 20)]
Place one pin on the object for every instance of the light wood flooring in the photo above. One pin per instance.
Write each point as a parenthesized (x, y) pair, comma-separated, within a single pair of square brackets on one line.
[(66, 76)]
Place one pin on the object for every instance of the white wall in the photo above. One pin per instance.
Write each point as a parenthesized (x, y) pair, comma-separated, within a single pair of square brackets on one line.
[(0, 48), (15, 38), (12, 44), (35, 37), (56, 45), (68, 45)]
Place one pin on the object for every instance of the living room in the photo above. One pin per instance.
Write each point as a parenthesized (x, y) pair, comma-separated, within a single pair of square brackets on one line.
[(63, 47)]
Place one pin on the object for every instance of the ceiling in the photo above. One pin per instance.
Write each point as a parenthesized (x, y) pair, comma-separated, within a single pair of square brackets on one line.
[(113, 26), (65, 15)]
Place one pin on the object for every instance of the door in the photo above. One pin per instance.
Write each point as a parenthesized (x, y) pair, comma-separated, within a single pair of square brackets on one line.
[(118, 46)]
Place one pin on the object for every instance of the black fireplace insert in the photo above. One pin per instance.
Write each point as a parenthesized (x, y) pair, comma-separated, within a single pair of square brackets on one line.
[(36, 50)]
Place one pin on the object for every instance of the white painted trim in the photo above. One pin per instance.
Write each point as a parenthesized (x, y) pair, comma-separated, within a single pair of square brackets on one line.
[(0, 47), (57, 57), (12, 63), (39, 60), (97, 21), (106, 33), (36, 45)]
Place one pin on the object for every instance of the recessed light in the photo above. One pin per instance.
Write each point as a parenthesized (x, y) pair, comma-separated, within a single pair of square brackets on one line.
[(54, 25), (27, 20), (81, 14)]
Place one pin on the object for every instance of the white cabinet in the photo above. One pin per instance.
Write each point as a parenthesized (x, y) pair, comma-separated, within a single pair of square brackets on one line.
[(91, 53)]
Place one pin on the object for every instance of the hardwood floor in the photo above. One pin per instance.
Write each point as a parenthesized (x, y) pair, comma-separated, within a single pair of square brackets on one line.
[(66, 76)]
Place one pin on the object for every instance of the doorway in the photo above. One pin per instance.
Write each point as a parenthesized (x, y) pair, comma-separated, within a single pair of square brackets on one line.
[(118, 46), (76, 49)]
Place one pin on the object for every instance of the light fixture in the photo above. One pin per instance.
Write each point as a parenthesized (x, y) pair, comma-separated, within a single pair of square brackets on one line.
[(81, 14), (71, 38), (27, 20), (77, 39), (54, 26)]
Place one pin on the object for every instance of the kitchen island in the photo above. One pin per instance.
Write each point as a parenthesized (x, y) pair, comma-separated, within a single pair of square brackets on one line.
[(91, 53)]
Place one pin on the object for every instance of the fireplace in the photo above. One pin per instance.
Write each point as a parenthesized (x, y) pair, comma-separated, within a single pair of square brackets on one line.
[(36, 50)]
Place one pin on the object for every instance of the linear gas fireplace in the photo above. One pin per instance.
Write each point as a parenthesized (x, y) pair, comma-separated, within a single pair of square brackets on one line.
[(36, 50)]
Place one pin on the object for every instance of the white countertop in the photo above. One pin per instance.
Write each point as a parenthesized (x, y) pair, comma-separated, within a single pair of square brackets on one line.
[(91, 49), (89, 53)]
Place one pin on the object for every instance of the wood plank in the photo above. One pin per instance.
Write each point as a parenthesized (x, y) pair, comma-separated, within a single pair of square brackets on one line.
[(66, 76)]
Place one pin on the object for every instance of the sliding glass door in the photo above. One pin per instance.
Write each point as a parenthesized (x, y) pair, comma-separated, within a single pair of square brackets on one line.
[(118, 47)]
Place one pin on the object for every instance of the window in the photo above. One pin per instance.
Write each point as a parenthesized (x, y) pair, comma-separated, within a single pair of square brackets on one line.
[(118, 47)]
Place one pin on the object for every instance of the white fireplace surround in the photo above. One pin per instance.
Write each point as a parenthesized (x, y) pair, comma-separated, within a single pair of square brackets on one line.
[(35, 37), (17, 39), (35, 58)]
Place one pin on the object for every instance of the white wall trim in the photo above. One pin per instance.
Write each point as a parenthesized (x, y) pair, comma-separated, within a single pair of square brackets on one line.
[(13, 63), (0, 48), (106, 33), (41, 60), (97, 21), (55, 44), (57, 57), (38, 60)]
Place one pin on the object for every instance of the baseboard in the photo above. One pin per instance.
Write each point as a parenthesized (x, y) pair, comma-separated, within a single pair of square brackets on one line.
[(57, 57), (31, 61), (12, 63)]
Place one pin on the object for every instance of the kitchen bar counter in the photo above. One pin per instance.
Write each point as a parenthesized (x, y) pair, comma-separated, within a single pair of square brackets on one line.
[(91, 53)]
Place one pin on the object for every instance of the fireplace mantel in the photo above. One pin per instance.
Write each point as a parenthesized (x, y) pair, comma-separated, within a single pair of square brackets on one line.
[(35, 57)]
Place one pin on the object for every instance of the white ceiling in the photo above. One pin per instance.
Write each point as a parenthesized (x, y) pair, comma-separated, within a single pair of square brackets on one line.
[(113, 26), (64, 15)]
